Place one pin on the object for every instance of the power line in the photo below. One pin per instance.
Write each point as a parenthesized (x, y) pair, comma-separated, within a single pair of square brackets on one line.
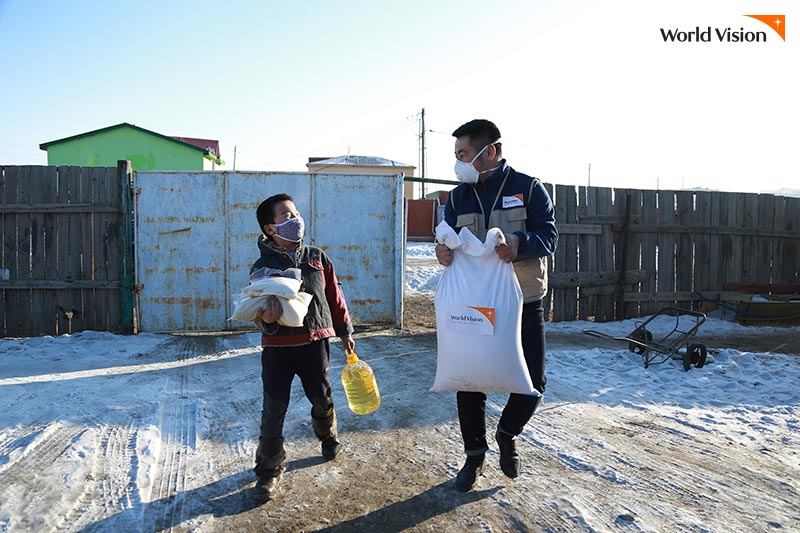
[(396, 125), (388, 135)]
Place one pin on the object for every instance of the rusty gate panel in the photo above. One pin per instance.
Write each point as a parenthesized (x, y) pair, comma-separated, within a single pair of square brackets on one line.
[(180, 250), (358, 222), (356, 219)]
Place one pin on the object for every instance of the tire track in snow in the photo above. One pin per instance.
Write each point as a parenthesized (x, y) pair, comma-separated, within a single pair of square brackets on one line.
[(178, 425), (111, 485), (21, 481), (609, 458), (111, 489), (230, 424), (20, 437), (674, 478)]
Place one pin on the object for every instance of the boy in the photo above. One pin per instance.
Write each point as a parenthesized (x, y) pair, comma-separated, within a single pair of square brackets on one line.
[(303, 351)]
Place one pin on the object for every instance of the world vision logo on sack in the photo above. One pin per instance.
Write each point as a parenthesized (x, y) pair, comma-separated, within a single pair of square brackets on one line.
[(473, 319), (727, 34)]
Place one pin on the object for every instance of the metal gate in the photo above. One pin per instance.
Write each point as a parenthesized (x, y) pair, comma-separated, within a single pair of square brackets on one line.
[(196, 235)]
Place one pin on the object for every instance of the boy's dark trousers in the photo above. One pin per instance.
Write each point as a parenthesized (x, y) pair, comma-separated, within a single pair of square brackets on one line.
[(520, 407), (279, 365)]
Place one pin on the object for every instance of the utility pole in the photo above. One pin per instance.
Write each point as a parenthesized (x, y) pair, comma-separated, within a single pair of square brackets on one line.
[(234, 158), (422, 150), (589, 184)]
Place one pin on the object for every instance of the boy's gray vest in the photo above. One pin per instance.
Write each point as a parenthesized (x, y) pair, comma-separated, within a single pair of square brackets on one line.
[(531, 272)]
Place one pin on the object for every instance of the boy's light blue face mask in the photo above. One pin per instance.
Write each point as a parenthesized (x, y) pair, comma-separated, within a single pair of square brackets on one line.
[(292, 229)]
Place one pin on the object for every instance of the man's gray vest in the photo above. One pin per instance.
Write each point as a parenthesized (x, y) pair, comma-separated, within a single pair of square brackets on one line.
[(531, 272)]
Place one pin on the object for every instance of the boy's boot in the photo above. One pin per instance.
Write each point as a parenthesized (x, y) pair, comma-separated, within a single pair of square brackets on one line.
[(323, 419), (468, 475), (325, 430), (509, 458), (270, 464)]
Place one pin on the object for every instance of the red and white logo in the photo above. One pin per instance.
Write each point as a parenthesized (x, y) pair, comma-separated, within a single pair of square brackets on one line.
[(513, 201)]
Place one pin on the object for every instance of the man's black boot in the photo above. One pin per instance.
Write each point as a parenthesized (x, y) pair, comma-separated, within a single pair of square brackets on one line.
[(468, 475), (509, 458)]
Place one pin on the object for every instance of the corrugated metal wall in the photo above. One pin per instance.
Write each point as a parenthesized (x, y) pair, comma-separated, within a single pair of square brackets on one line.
[(196, 235), (421, 220)]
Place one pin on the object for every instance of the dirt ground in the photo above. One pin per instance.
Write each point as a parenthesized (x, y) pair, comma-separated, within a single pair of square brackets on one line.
[(396, 471), (588, 466)]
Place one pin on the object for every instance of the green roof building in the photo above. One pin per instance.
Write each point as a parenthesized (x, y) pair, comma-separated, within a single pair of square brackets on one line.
[(145, 149)]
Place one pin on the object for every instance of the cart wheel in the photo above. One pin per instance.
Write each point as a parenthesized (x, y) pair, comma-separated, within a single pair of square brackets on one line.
[(698, 353), (640, 335), (687, 360)]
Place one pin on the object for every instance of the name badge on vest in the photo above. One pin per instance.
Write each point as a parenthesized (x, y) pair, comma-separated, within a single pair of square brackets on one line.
[(512, 201)]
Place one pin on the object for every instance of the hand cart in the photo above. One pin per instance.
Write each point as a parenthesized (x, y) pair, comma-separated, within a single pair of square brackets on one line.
[(677, 344)]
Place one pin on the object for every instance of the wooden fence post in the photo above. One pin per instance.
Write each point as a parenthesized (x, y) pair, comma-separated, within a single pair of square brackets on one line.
[(620, 305), (126, 280)]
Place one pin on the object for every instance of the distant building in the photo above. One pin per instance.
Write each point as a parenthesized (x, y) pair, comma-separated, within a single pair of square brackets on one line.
[(145, 149), (360, 164)]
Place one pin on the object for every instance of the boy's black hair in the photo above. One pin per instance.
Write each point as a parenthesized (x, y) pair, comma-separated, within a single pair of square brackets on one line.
[(266, 209), (480, 132)]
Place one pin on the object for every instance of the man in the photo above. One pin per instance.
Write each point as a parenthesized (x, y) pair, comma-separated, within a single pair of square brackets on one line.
[(492, 194)]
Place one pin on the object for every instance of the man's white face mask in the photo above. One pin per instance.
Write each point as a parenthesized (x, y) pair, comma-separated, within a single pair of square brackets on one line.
[(466, 172)]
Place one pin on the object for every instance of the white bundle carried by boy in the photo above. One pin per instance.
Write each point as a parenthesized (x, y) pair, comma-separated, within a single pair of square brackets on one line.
[(478, 318), (283, 284)]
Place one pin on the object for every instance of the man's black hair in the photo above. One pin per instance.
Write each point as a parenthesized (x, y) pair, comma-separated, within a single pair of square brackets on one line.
[(480, 132), (266, 209)]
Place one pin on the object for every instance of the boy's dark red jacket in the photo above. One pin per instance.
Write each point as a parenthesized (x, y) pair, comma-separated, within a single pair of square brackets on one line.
[(327, 313)]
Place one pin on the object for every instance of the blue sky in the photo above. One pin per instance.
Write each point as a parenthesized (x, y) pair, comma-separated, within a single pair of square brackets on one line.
[(570, 84)]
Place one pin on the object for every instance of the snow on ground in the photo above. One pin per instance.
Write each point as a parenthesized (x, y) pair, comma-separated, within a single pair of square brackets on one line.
[(422, 269), (100, 432)]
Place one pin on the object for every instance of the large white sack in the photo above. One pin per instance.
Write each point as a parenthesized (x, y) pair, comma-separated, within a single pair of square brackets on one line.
[(478, 318)]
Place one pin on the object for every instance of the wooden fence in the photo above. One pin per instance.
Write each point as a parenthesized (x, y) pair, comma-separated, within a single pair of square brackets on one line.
[(65, 246), (671, 248), (66, 243)]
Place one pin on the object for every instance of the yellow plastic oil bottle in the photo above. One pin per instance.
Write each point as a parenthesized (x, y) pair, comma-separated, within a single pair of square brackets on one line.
[(360, 386)]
